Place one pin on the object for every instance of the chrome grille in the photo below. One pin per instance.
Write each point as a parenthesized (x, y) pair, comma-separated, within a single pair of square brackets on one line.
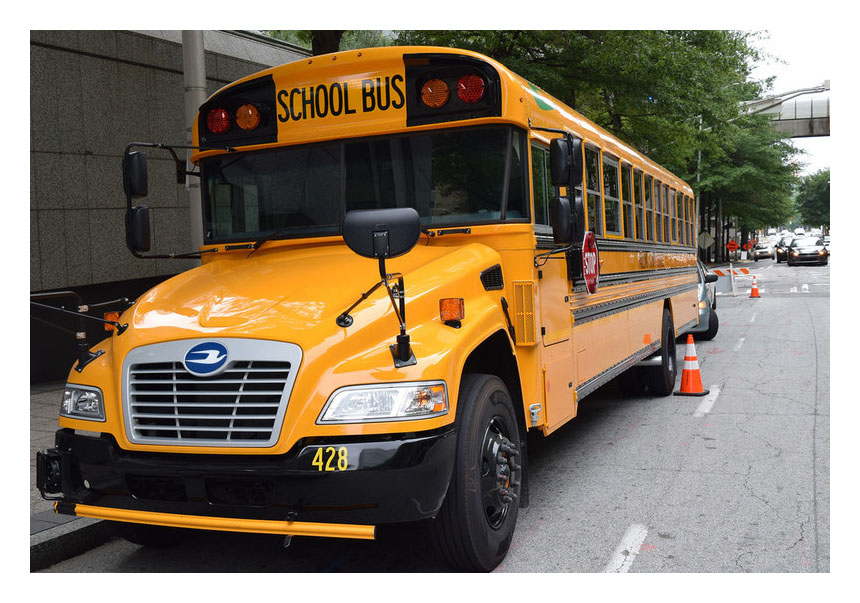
[(243, 405)]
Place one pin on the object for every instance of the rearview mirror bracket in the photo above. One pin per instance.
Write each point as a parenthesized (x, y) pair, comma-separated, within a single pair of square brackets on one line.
[(382, 234)]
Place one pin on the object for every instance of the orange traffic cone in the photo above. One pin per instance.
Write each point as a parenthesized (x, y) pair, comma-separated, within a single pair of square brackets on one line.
[(754, 290), (691, 379)]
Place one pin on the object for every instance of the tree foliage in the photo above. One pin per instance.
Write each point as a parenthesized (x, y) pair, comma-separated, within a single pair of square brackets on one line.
[(813, 198), (323, 41)]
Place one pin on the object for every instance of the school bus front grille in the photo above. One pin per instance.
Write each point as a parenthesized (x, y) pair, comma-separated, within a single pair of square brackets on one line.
[(243, 405), (524, 312), (239, 404)]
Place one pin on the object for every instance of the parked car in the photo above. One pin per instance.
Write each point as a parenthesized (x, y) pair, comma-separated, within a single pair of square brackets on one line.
[(782, 248), (762, 250), (826, 240), (709, 323), (807, 250)]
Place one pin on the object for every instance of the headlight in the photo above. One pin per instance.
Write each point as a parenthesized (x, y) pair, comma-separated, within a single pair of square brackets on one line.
[(795, 253), (83, 402), (394, 402)]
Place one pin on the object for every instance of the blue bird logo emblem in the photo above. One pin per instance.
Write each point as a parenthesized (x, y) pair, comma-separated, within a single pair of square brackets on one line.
[(205, 358)]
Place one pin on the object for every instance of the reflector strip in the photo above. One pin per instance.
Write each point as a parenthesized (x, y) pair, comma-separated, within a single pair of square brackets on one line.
[(230, 524)]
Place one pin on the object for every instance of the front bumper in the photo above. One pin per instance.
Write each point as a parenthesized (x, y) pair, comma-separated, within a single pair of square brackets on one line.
[(396, 479), (808, 258)]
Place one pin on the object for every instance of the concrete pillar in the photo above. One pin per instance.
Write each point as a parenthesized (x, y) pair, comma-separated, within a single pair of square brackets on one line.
[(194, 67)]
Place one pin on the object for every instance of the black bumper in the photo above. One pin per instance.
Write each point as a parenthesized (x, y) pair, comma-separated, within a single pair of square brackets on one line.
[(374, 481), (808, 259)]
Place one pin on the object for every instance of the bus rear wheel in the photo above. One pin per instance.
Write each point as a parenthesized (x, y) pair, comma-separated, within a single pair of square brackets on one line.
[(475, 526), (661, 379)]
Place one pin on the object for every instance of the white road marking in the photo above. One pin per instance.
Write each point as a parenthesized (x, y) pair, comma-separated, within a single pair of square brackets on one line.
[(739, 344), (752, 318), (627, 550), (804, 288), (708, 402), (793, 290)]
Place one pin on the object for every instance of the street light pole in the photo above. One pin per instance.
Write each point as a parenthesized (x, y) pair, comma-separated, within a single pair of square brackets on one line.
[(194, 67)]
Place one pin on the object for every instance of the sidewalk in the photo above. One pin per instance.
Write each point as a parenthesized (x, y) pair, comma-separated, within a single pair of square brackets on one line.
[(54, 537)]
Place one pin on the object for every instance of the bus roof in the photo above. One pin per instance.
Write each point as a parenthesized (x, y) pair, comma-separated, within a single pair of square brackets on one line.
[(363, 92)]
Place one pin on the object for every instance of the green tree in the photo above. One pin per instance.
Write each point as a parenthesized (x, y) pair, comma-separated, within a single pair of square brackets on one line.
[(323, 41), (813, 198), (752, 175)]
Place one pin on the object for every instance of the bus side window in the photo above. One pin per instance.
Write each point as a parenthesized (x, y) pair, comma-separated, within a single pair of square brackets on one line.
[(592, 185), (658, 210), (649, 207), (640, 205), (666, 206), (673, 215), (691, 220), (542, 189), (627, 200), (611, 196)]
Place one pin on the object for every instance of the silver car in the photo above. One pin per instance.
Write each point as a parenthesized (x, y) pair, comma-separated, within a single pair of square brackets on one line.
[(709, 323), (762, 250)]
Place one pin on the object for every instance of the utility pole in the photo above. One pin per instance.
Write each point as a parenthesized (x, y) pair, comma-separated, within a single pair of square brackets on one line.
[(194, 67)]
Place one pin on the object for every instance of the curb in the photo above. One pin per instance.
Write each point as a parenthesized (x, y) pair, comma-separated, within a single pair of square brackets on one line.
[(67, 540)]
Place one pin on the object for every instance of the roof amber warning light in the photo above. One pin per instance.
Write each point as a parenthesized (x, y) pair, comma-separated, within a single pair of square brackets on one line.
[(435, 93), (248, 117)]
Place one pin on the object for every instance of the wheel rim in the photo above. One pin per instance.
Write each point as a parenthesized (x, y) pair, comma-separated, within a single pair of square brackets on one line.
[(499, 472)]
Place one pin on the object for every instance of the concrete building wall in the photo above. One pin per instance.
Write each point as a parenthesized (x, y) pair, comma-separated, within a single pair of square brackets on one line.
[(91, 93)]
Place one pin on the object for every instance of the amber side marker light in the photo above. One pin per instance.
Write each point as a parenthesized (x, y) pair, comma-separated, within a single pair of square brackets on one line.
[(435, 93), (112, 316), (248, 117), (452, 309)]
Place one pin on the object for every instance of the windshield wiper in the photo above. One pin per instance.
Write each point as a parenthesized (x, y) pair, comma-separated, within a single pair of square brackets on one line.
[(260, 242)]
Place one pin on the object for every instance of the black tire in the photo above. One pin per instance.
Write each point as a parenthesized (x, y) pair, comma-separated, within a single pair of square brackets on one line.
[(475, 526), (149, 535), (661, 379), (713, 327)]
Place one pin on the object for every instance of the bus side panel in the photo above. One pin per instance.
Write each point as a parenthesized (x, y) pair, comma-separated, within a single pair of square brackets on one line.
[(602, 343)]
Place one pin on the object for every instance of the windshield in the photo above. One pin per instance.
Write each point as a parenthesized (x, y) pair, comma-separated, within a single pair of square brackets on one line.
[(452, 177), (807, 242)]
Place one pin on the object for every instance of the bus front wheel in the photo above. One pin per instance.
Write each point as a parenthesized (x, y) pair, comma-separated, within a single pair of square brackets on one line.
[(475, 526)]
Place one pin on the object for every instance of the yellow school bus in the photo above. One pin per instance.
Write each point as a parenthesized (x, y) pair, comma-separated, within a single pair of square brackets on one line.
[(412, 257)]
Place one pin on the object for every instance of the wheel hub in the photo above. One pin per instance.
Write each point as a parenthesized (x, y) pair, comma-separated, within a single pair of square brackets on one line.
[(500, 473)]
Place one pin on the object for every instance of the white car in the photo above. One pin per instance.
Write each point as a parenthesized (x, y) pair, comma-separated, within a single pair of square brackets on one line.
[(762, 250)]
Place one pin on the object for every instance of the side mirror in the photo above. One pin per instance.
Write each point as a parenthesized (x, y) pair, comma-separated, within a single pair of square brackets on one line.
[(562, 229), (135, 180), (382, 233), (710, 277), (565, 162), (137, 235), (559, 162)]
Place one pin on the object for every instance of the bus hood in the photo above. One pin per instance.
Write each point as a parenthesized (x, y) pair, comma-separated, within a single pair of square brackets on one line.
[(296, 294)]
